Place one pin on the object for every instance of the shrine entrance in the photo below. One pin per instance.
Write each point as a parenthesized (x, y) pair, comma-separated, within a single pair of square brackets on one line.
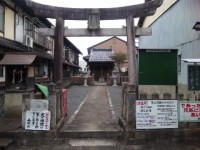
[(94, 16)]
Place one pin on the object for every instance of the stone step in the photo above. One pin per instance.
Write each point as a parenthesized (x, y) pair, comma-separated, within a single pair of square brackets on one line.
[(5, 142), (92, 142), (90, 134)]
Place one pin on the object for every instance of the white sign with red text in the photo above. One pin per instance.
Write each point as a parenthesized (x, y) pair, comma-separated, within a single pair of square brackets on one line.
[(156, 114), (189, 111), (37, 120)]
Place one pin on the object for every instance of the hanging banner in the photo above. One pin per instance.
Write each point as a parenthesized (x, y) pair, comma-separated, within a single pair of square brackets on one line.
[(189, 111), (156, 114), (37, 120)]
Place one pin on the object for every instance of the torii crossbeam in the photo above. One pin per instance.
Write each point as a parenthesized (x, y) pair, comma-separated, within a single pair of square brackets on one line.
[(140, 10)]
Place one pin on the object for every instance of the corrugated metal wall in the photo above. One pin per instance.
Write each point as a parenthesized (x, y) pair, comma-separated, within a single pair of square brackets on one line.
[(174, 30)]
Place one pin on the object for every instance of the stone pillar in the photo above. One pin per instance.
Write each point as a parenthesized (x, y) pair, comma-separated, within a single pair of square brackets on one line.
[(25, 107), (123, 101), (130, 106), (131, 51), (52, 104), (58, 52), (167, 96), (59, 87), (143, 96), (155, 96), (180, 97), (132, 78)]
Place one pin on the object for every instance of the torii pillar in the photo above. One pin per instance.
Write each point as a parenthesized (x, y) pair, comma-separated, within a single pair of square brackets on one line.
[(58, 52), (132, 77)]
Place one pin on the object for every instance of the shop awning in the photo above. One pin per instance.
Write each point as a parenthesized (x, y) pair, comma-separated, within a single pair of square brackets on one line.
[(43, 89), (17, 59), (191, 60)]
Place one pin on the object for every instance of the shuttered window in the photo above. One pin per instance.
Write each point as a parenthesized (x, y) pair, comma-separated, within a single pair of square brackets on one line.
[(1, 18)]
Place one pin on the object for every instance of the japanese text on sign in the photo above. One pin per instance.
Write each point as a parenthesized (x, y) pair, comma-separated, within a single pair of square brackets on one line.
[(154, 114), (37, 120), (189, 111)]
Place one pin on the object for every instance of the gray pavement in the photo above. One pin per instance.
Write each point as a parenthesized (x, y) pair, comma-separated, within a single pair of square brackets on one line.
[(94, 118), (76, 94)]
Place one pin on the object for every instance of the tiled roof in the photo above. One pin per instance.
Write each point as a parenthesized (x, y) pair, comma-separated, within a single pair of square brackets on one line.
[(100, 55), (11, 44), (14, 46)]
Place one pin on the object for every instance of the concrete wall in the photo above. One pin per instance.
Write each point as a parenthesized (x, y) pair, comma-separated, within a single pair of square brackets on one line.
[(161, 89), (13, 104)]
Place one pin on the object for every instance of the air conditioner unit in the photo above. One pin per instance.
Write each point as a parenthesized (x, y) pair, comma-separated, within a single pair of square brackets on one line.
[(28, 41)]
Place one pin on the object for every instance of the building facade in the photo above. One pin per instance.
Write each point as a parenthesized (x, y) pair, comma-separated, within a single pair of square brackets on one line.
[(19, 28), (114, 43), (27, 57), (102, 66), (172, 28)]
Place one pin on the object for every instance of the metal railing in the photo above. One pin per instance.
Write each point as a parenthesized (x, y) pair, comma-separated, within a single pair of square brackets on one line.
[(40, 39)]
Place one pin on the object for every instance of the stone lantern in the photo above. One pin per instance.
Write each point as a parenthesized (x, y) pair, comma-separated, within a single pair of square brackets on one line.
[(114, 76), (85, 77)]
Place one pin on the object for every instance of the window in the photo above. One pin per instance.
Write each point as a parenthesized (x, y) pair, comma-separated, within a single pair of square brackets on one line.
[(179, 63), (28, 28), (1, 19), (1, 67), (35, 33), (1, 71)]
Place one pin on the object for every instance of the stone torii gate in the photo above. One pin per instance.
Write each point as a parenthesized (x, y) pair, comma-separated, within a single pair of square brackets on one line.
[(94, 16)]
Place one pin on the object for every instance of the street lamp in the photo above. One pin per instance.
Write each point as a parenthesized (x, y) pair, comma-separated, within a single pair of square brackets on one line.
[(196, 26)]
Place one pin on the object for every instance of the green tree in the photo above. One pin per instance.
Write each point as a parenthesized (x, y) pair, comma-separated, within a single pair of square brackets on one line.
[(119, 58)]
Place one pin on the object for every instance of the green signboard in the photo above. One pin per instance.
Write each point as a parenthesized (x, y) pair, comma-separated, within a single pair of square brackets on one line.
[(193, 77), (157, 67)]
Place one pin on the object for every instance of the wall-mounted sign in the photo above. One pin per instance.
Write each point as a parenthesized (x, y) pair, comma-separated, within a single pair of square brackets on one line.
[(193, 77), (189, 111), (37, 120), (155, 114), (39, 105)]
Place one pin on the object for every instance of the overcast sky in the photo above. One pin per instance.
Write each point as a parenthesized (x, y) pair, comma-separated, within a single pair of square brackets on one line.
[(82, 43)]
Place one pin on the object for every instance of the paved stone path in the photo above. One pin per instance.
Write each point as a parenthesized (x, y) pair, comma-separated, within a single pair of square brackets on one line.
[(94, 115), (76, 94)]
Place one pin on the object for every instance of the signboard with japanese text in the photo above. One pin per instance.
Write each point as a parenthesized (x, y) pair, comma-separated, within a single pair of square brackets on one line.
[(189, 111), (156, 114), (37, 120), (193, 77)]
